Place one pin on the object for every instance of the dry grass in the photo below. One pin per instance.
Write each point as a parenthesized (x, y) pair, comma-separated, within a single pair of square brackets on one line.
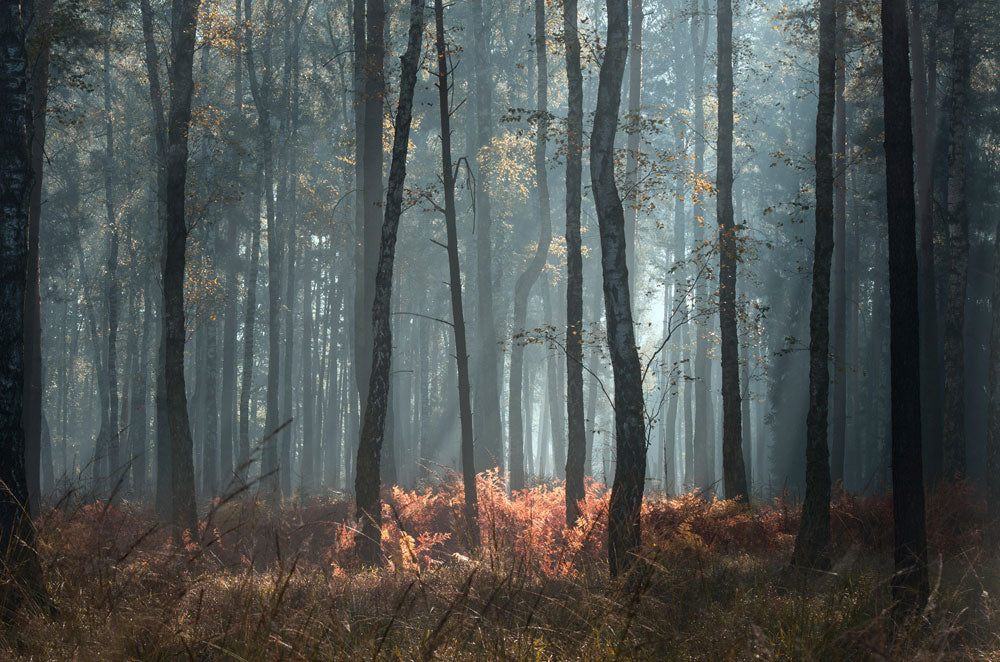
[(262, 585)]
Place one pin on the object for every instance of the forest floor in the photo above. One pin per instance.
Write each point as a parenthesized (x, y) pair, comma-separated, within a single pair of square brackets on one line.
[(269, 583)]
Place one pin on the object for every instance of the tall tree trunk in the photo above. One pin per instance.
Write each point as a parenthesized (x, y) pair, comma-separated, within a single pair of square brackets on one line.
[(362, 303), (138, 430), (838, 428), (733, 466), (930, 349), (367, 485), (958, 254), (489, 446), (528, 277), (109, 458), (184, 20), (630, 433), (634, 133), (41, 38), (703, 462), (554, 389), (576, 435), (910, 585), (246, 377), (16, 531), (813, 540), (993, 417), (455, 286), (163, 446), (310, 454)]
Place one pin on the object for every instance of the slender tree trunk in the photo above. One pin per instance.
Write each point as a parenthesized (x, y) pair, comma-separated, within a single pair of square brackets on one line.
[(41, 38), (246, 378), (993, 417), (309, 450), (528, 277), (138, 431), (489, 437), (958, 255), (634, 134), (813, 540), (910, 585), (110, 455), (576, 436), (733, 465), (630, 434), (455, 286), (930, 356), (367, 484), (838, 428)]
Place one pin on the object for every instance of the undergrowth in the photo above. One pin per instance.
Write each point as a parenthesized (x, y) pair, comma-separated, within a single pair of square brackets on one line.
[(262, 583)]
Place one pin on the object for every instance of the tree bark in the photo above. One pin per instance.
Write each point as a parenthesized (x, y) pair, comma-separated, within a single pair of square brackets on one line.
[(184, 21), (733, 466), (455, 286), (910, 585), (367, 485), (630, 435), (838, 428), (958, 255), (16, 530), (813, 540)]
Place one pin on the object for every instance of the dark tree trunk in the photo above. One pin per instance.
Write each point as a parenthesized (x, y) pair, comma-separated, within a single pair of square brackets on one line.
[(910, 585), (930, 349), (184, 21), (958, 255), (838, 428), (630, 434), (733, 466), (138, 431), (16, 531), (41, 39), (367, 484), (813, 540), (528, 277), (109, 463), (455, 286), (576, 436), (993, 417)]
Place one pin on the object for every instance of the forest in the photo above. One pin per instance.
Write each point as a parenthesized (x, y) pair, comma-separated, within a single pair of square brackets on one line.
[(499, 329)]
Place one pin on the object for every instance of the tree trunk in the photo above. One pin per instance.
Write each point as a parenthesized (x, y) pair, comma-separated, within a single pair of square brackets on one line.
[(930, 349), (41, 39), (910, 586), (184, 21), (733, 466), (838, 427), (813, 540), (528, 277), (16, 532), (576, 436), (455, 286), (958, 255), (367, 485), (489, 446), (630, 434), (110, 456), (993, 418), (634, 133), (246, 378)]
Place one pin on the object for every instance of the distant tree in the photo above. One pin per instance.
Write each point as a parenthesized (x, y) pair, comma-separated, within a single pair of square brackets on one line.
[(624, 510), (19, 566), (909, 583), (958, 251), (813, 540), (527, 279), (993, 417), (367, 482)]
